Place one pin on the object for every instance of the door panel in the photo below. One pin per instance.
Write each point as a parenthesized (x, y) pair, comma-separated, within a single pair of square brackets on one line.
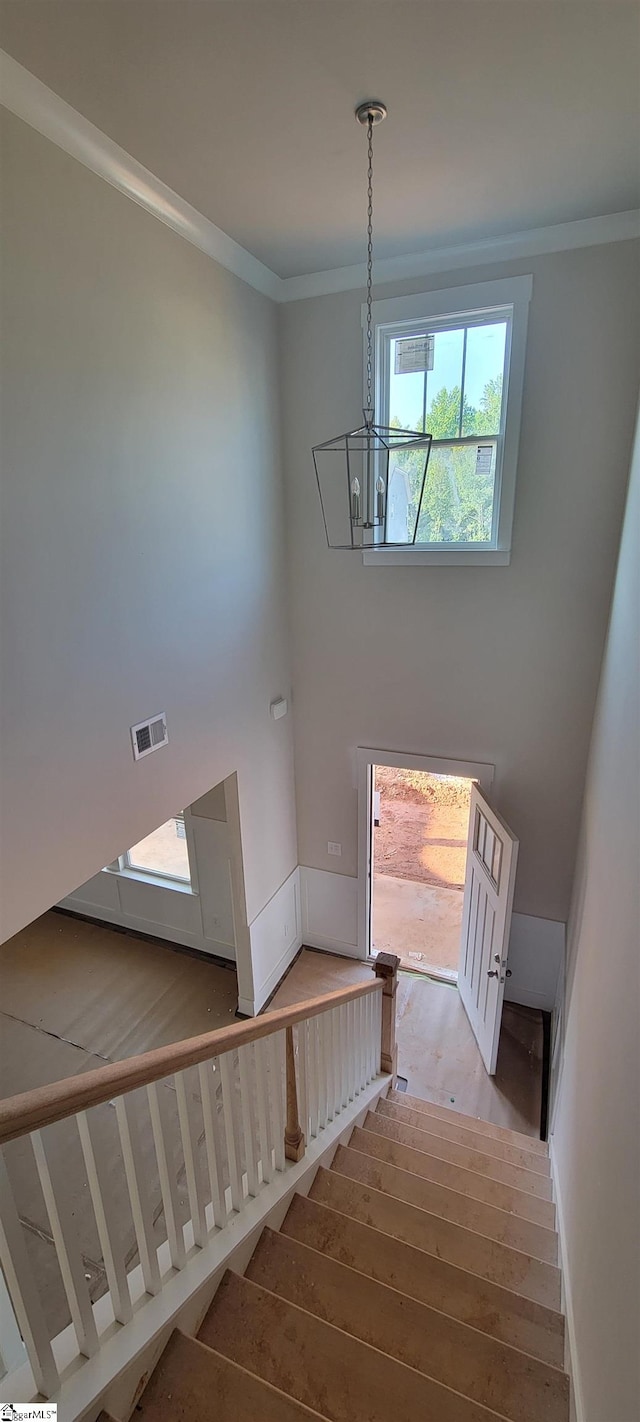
[(492, 856)]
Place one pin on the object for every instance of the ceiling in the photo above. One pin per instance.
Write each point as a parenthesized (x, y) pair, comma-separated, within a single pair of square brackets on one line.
[(503, 114)]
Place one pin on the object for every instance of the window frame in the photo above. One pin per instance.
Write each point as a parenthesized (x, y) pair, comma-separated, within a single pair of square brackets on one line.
[(123, 867), (401, 316)]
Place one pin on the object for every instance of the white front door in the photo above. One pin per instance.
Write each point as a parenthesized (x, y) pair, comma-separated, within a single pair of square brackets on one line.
[(492, 856)]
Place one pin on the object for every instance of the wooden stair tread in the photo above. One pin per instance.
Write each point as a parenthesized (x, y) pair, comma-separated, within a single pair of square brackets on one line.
[(497, 1311), (371, 1141), (490, 1372), (534, 1239), (519, 1178), (196, 1383), (498, 1262), (472, 1123), (501, 1150), (323, 1366)]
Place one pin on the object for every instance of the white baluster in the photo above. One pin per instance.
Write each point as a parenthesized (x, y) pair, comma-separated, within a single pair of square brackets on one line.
[(135, 1172), (335, 1056), (65, 1238), (330, 1063), (165, 1156), (351, 1042), (275, 1045), (314, 1077), (230, 1106), (357, 1042), (363, 1007), (24, 1293), (344, 1079), (264, 1114), (370, 1006), (107, 1222), (12, 1350), (245, 1064), (378, 1033), (322, 1072), (364, 1040), (213, 1140), (191, 1159), (302, 1060)]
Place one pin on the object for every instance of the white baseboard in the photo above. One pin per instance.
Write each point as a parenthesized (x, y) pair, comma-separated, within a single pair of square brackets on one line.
[(330, 922), (250, 1007), (333, 945), (183, 937), (571, 1349), (536, 960), (330, 911)]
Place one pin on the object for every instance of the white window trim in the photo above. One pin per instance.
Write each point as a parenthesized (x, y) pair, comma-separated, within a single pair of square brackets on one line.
[(159, 880), (463, 301)]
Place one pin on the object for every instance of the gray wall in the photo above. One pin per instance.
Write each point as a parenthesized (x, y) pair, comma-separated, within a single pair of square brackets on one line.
[(596, 1128), (142, 555), (485, 664)]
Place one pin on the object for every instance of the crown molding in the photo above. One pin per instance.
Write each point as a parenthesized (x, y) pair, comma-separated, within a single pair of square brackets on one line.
[(31, 100), (587, 232)]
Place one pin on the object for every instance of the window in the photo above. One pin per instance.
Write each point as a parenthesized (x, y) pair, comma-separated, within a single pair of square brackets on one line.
[(164, 855), (452, 362)]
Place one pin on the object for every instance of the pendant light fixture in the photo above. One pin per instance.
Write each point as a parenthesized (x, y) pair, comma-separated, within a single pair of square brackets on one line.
[(371, 480)]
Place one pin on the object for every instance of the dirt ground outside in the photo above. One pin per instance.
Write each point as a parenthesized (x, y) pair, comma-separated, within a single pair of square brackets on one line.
[(423, 826), (419, 866)]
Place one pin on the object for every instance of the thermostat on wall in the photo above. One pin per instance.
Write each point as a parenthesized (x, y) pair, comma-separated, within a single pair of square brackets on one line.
[(279, 708)]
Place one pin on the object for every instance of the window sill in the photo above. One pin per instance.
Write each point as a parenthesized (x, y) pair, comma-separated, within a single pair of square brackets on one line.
[(447, 557), (159, 881)]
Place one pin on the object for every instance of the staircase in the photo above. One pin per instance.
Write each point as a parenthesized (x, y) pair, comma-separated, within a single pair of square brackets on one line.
[(418, 1279)]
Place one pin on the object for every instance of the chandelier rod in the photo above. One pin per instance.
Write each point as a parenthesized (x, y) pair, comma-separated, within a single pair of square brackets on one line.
[(368, 413), (371, 113)]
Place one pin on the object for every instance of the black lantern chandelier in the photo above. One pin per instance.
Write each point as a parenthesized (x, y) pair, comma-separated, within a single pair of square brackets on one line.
[(371, 480)]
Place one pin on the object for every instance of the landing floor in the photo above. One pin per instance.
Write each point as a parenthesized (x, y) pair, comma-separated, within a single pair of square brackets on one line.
[(436, 1048)]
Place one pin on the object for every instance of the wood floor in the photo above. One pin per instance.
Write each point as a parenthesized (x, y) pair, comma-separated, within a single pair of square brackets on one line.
[(437, 1052), (75, 994)]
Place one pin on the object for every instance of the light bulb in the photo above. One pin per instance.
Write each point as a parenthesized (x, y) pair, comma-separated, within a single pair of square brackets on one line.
[(355, 499), (380, 499)]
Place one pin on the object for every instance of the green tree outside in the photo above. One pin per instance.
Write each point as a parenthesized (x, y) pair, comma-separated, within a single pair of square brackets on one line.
[(457, 503)]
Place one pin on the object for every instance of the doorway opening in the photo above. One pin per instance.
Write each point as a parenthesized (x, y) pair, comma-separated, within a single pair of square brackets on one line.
[(419, 832)]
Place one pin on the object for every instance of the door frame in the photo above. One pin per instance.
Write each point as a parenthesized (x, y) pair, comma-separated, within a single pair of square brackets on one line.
[(366, 758)]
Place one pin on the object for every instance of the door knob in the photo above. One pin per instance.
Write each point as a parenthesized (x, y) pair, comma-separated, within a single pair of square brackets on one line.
[(493, 973)]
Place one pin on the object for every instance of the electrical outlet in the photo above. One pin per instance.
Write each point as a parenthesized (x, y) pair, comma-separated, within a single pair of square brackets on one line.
[(333, 848)]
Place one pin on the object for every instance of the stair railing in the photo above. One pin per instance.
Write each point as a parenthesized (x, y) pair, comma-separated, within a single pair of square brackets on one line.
[(172, 1144)]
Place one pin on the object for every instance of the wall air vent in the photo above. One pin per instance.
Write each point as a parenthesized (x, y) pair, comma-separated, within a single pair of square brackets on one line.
[(148, 736)]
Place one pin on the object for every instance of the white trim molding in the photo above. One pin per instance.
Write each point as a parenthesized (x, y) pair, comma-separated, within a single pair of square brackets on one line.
[(31, 100), (561, 237), (571, 1360), (507, 300), (276, 937)]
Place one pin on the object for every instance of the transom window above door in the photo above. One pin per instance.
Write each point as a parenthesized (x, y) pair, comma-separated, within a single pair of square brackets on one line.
[(452, 363)]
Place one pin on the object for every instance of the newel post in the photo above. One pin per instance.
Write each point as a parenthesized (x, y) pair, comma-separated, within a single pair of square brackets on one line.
[(386, 967), (294, 1142)]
